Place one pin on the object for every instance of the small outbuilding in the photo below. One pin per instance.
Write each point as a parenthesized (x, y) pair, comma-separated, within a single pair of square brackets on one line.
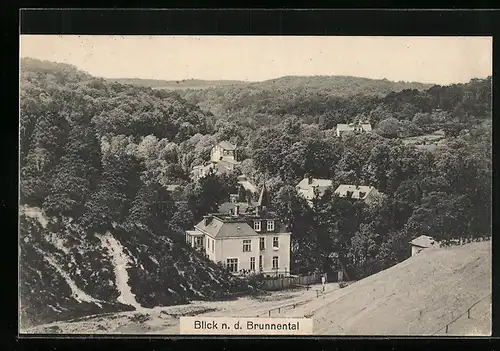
[(422, 242)]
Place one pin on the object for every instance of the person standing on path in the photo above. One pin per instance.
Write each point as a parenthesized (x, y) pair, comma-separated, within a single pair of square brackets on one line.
[(323, 280)]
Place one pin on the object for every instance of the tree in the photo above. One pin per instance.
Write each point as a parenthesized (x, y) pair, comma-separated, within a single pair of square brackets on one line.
[(389, 128), (77, 174), (152, 207), (110, 203)]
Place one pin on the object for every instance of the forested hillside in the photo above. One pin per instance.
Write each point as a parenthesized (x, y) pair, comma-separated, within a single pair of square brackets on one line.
[(93, 198), (97, 157)]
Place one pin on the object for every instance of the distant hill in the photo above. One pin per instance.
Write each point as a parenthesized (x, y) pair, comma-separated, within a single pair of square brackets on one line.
[(340, 85), (176, 84)]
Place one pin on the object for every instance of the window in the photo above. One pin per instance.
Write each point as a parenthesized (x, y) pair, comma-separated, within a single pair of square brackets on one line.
[(362, 194), (260, 262), (256, 226), (213, 245), (198, 241), (252, 263), (232, 264), (270, 226), (275, 262), (349, 194), (276, 242), (208, 243), (262, 243), (247, 245)]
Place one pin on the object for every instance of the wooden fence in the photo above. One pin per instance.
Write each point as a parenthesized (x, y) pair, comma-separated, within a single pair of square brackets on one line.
[(291, 281), (446, 328)]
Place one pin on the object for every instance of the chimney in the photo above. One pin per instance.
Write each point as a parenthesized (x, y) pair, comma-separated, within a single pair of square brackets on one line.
[(207, 220), (257, 210)]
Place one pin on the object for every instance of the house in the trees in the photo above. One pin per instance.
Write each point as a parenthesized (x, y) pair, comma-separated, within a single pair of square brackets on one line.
[(422, 242), (222, 160), (358, 128), (223, 151), (309, 187), (247, 238), (365, 193)]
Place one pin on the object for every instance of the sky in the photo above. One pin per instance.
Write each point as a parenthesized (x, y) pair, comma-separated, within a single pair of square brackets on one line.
[(438, 60)]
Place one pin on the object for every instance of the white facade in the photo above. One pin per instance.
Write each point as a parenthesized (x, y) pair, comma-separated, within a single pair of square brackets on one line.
[(219, 153), (360, 127), (273, 256)]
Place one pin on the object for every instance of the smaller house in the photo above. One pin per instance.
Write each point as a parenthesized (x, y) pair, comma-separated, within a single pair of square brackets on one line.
[(222, 160), (357, 192), (223, 151), (422, 242), (360, 127), (309, 186)]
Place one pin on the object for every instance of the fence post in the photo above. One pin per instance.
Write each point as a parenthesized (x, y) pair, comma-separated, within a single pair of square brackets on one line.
[(270, 315), (317, 293), (279, 309), (468, 313), (446, 328)]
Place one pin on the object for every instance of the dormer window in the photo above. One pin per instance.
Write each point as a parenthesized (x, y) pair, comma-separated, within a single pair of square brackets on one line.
[(362, 194), (256, 226), (270, 226), (349, 194)]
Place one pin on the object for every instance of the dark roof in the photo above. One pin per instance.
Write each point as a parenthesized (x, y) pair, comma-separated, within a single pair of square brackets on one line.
[(264, 197), (220, 229), (228, 207)]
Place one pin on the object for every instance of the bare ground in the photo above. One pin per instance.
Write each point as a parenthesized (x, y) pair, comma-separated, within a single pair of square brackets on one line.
[(416, 297)]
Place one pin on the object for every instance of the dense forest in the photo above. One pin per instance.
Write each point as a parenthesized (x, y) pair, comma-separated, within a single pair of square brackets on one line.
[(103, 154), (95, 159)]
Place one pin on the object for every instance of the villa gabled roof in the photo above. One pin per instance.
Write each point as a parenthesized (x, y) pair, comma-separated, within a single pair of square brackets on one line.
[(219, 229), (355, 189), (226, 145), (316, 182)]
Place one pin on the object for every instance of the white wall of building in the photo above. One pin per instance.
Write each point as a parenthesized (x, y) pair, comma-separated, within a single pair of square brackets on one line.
[(233, 248)]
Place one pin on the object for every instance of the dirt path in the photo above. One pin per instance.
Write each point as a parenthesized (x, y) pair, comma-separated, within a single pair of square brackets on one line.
[(165, 320)]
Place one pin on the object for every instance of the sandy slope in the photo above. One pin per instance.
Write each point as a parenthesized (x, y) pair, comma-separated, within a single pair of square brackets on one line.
[(416, 297)]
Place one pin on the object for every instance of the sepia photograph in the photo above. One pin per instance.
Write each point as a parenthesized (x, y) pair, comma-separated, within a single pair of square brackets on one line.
[(255, 185)]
